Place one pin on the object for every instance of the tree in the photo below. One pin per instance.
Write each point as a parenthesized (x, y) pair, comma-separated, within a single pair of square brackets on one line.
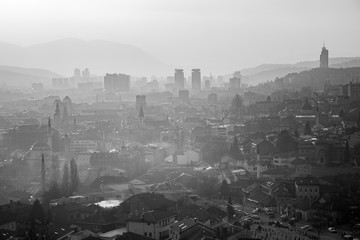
[(307, 128), (52, 193), (224, 189), (207, 186), (286, 143), (230, 208), (234, 149), (330, 155), (296, 133), (65, 185), (236, 105), (342, 113), (37, 213), (74, 176), (347, 152)]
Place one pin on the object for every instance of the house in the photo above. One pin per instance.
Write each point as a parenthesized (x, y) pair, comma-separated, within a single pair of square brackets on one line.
[(307, 187), (143, 202), (191, 229), (154, 224), (102, 221)]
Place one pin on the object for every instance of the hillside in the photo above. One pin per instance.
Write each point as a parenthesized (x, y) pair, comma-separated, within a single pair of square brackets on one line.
[(268, 72), (99, 56)]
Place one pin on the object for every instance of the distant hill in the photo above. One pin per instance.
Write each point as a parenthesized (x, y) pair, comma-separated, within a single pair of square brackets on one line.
[(17, 76), (268, 72), (99, 56)]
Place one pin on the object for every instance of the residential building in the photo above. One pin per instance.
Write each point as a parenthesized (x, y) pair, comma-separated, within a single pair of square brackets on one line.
[(154, 224), (179, 79), (196, 79), (307, 187)]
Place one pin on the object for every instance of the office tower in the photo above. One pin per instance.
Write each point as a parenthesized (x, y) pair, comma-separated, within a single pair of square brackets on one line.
[(207, 84), (235, 81), (77, 73), (179, 79), (212, 98), (140, 101), (196, 79), (86, 74), (117, 82), (324, 57)]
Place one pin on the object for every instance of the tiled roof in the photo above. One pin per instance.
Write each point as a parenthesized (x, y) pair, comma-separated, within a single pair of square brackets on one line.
[(150, 216)]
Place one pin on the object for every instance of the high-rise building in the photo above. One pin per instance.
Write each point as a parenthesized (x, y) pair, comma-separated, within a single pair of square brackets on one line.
[(196, 79), (117, 82), (234, 83), (77, 73), (207, 84), (212, 98), (86, 73), (179, 79), (140, 101), (324, 58)]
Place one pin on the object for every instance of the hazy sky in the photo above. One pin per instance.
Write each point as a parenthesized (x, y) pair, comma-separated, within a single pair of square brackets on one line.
[(215, 35)]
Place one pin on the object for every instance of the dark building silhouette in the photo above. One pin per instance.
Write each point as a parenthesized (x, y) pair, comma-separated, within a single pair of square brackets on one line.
[(324, 58), (179, 79), (196, 79)]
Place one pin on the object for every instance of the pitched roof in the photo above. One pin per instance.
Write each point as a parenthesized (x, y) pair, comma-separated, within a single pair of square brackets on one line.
[(152, 216)]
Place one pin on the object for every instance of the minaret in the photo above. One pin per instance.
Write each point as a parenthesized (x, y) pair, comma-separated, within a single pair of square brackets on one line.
[(141, 116), (49, 135), (74, 124), (42, 173), (57, 115)]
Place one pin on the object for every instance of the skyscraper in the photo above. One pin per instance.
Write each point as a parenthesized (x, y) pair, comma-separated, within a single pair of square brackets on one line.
[(324, 57), (235, 82), (196, 79), (179, 79)]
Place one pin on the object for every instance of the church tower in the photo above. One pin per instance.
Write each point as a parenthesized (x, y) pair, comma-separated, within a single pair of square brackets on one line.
[(324, 57)]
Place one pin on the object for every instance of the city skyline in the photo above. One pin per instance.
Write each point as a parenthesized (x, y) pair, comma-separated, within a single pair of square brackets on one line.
[(192, 35)]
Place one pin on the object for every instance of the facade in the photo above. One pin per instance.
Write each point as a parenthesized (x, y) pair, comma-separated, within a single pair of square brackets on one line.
[(324, 58), (140, 101), (154, 224), (234, 83), (196, 79), (179, 79), (307, 187), (117, 82), (212, 98)]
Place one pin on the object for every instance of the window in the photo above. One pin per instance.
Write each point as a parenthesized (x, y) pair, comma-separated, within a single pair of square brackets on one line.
[(145, 234), (300, 189), (150, 234), (310, 189), (316, 190), (305, 189)]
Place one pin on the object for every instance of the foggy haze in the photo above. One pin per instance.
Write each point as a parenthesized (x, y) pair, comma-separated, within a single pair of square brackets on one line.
[(217, 36)]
